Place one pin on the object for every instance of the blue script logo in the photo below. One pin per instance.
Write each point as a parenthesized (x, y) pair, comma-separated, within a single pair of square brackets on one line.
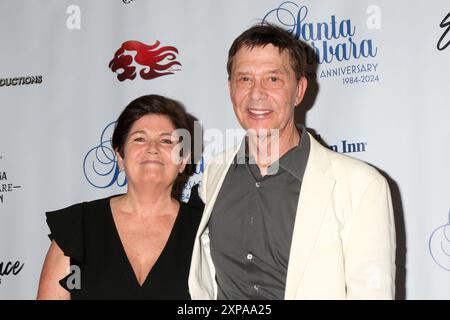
[(330, 40), (100, 164), (439, 245)]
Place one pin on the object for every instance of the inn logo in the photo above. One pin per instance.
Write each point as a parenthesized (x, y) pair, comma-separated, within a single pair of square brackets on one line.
[(346, 146), (337, 45), (151, 61), (349, 147)]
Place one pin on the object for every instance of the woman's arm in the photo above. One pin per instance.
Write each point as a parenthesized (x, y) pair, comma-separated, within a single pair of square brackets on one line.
[(56, 267)]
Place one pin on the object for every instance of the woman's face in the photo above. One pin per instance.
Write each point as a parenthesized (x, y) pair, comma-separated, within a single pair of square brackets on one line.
[(150, 153)]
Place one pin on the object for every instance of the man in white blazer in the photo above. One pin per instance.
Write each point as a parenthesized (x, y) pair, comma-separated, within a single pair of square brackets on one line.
[(300, 222)]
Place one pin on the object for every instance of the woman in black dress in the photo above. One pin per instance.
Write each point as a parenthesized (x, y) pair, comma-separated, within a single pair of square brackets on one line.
[(137, 245)]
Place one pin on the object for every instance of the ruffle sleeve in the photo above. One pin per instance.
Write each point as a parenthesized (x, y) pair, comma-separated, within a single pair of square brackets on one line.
[(66, 228)]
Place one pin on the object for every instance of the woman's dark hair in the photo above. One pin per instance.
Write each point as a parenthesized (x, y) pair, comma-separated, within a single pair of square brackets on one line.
[(158, 105), (261, 35)]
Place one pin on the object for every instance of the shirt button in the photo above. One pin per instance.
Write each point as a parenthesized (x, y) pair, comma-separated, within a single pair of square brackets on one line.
[(249, 256), (257, 184)]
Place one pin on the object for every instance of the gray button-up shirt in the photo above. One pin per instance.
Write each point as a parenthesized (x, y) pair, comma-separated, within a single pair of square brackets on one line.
[(252, 223)]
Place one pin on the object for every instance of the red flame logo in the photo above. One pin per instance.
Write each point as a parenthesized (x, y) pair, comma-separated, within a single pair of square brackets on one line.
[(155, 62)]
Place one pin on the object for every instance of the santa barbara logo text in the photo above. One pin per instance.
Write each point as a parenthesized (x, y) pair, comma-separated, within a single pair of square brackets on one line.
[(332, 40)]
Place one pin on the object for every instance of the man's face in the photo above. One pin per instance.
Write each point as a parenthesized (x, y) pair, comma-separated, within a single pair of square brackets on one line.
[(264, 89)]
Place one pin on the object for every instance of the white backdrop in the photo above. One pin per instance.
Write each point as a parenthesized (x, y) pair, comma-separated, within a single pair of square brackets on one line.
[(380, 95)]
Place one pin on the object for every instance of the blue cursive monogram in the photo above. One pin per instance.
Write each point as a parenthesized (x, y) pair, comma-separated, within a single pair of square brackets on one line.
[(439, 245), (100, 164)]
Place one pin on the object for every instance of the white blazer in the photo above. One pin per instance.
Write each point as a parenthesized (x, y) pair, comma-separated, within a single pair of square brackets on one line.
[(343, 243)]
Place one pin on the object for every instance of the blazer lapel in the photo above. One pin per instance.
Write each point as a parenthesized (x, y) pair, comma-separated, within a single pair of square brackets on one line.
[(201, 274), (315, 195), (218, 171)]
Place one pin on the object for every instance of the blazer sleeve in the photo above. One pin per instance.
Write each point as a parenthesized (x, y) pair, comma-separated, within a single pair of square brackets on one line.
[(370, 251)]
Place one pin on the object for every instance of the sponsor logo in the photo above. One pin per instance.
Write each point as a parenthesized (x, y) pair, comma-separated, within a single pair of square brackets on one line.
[(6, 186), (439, 245), (10, 268), (337, 44), (184, 189), (349, 147), (20, 81), (444, 40), (100, 166), (151, 61), (345, 146)]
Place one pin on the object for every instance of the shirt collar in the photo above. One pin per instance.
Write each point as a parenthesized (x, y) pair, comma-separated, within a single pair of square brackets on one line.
[(294, 161)]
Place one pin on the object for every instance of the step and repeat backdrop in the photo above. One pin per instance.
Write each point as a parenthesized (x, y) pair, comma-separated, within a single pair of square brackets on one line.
[(379, 91)]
